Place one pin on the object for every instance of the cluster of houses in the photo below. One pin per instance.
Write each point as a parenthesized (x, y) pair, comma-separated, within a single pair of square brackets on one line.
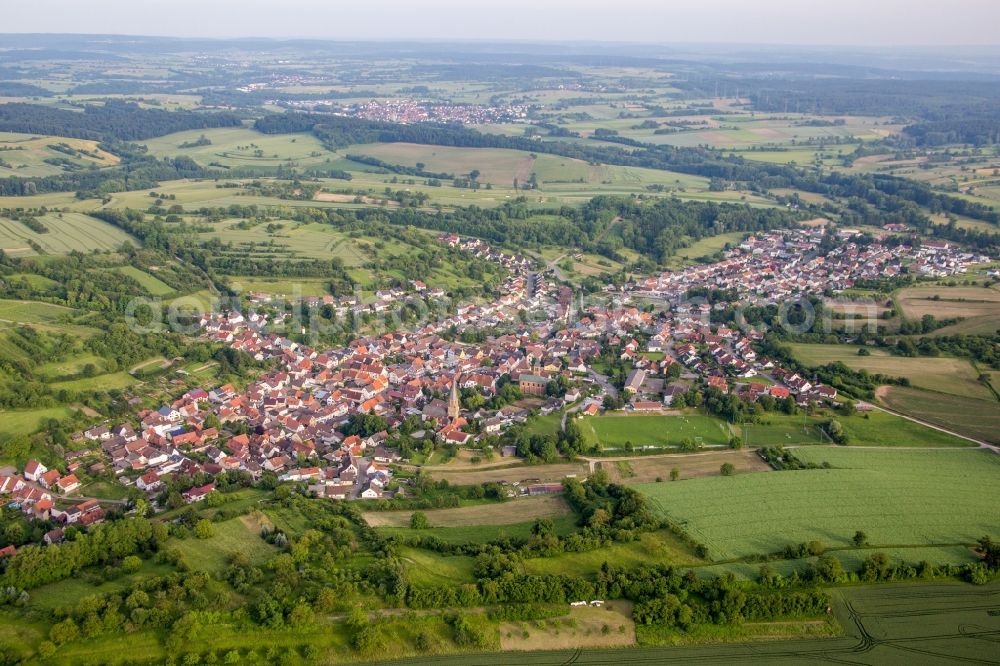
[(41, 493), (770, 268)]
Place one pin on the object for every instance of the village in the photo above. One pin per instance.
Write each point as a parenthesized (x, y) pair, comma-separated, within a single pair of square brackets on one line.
[(409, 111), (327, 419)]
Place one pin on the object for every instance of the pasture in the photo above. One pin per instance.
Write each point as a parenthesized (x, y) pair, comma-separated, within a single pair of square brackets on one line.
[(613, 431), (897, 497), (67, 232), (945, 375)]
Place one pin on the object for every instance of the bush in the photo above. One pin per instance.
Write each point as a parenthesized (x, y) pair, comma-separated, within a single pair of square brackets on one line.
[(418, 521), (131, 564), (204, 530)]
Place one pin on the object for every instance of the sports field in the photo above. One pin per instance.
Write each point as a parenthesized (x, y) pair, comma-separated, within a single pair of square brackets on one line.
[(615, 431), (896, 497)]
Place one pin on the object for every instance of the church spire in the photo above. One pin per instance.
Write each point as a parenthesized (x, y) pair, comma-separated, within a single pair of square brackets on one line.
[(454, 408)]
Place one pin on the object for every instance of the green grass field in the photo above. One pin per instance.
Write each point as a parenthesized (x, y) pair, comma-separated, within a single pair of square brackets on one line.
[(15, 422), (149, 282), (708, 246), (114, 380), (897, 497), (432, 569), (544, 425), (228, 537), (68, 592), (946, 375), (615, 431), (781, 430)]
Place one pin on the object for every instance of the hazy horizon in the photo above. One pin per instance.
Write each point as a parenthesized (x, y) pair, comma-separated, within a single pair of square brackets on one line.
[(847, 23)]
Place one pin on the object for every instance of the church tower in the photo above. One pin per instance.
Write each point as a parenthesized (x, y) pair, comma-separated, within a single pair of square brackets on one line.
[(454, 407)]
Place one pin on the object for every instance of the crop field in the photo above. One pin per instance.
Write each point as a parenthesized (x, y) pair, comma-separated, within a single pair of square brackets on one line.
[(504, 513), (24, 155), (948, 302), (67, 232), (978, 306), (647, 469), (970, 417), (321, 241), (879, 428), (897, 497), (243, 147), (615, 431), (946, 375)]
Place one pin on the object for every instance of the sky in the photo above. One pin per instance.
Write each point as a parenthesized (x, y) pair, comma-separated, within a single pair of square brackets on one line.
[(797, 22)]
